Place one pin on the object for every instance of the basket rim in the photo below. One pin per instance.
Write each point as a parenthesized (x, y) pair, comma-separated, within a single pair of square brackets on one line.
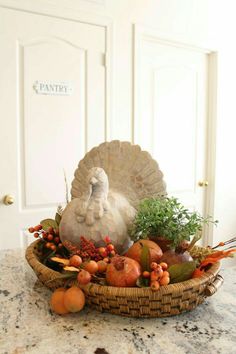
[(206, 278)]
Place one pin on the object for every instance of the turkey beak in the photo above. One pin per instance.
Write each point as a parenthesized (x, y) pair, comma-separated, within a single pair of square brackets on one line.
[(93, 181)]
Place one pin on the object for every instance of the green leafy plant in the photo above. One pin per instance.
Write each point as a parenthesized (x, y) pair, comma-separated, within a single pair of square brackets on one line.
[(167, 218)]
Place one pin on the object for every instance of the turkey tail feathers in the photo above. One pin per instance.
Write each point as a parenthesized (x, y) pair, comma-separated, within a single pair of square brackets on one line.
[(131, 171)]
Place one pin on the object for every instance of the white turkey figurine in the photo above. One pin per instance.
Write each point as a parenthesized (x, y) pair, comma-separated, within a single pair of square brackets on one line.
[(109, 183)]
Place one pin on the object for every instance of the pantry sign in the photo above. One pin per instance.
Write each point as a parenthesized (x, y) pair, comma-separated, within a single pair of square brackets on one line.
[(53, 88)]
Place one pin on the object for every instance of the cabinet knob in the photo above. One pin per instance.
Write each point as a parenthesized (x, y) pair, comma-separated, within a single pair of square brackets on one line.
[(203, 183), (8, 199)]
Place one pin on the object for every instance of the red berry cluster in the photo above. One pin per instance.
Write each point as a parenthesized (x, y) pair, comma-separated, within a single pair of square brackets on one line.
[(51, 236), (88, 251), (71, 248)]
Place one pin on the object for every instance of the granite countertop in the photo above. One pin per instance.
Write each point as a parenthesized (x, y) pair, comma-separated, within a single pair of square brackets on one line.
[(28, 325)]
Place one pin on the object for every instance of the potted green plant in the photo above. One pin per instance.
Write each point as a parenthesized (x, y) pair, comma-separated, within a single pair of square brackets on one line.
[(166, 219)]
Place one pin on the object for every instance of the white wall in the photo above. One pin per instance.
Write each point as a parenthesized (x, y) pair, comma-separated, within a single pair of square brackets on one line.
[(206, 23), (223, 27)]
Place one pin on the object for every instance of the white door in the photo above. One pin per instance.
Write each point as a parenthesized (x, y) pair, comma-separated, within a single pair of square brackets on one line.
[(52, 93), (171, 106)]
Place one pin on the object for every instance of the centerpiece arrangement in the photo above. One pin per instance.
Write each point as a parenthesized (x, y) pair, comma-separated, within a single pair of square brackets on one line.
[(121, 244)]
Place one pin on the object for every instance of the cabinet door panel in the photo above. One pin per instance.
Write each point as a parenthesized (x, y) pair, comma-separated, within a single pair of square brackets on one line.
[(171, 115), (53, 110)]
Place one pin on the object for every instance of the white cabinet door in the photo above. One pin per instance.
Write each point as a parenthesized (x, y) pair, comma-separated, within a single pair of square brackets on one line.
[(171, 104), (52, 93)]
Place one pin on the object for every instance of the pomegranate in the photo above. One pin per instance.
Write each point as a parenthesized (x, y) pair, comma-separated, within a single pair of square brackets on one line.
[(123, 272), (135, 251), (171, 257)]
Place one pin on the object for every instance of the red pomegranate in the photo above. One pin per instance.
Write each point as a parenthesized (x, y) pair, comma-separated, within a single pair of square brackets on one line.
[(123, 272)]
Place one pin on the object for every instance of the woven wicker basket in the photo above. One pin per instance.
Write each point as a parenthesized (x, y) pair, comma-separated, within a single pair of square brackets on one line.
[(136, 302)]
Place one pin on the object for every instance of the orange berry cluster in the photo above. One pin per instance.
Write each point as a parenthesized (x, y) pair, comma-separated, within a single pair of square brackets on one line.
[(90, 260), (87, 269), (158, 275), (51, 236)]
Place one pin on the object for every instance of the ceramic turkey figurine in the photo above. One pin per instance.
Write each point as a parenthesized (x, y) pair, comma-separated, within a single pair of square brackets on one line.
[(109, 183), (93, 204)]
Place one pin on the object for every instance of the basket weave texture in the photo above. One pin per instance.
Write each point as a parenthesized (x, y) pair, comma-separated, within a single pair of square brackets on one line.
[(169, 300)]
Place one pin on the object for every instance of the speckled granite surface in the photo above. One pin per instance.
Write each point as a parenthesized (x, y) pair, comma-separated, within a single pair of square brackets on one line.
[(28, 326)]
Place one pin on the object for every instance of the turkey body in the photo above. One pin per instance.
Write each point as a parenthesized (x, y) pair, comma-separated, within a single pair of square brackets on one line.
[(98, 213), (114, 223)]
